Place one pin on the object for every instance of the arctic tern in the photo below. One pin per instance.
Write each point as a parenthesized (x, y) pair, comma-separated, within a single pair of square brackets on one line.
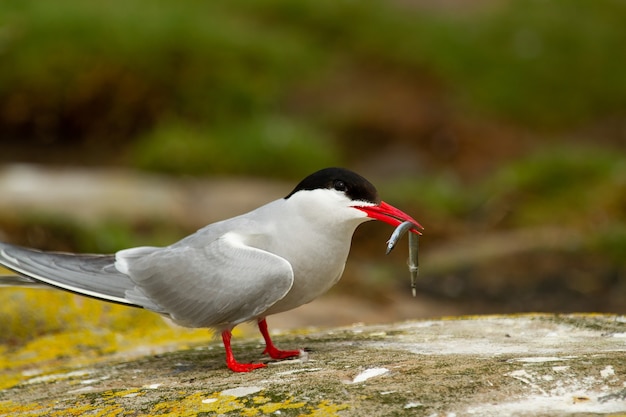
[(273, 259)]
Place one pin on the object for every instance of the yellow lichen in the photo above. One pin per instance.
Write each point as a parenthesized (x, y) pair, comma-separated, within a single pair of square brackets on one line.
[(326, 409), (108, 404), (259, 399), (74, 331), (193, 404), (273, 407), (121, 393), (9, 408)]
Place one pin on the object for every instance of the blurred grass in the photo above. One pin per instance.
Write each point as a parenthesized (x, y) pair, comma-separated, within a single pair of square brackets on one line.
[(64, 233), (265, 145), (229, 72), (577, 187), (540, 63)]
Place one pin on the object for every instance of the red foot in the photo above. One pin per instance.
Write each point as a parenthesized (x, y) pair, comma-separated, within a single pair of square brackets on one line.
[(232, 364), (272, 350), (280, 354), (243, 367)]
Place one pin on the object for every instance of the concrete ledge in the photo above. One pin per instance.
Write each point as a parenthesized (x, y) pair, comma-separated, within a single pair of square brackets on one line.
[(527, 365)]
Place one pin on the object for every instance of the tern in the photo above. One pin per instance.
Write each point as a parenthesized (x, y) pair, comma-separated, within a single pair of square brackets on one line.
[(272, 259)]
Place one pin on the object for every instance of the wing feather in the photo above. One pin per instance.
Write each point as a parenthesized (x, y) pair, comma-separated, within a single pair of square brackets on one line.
[(91, 275), (218, 284)]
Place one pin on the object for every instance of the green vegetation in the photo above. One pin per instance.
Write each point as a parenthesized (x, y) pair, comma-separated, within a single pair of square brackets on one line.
[(224, 76), (577, 187), (542, 63), (580, 188), (548, 186), (63, 233), (266, 145)]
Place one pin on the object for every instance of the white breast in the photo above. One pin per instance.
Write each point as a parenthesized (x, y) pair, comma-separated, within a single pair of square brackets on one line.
[(315, 244)]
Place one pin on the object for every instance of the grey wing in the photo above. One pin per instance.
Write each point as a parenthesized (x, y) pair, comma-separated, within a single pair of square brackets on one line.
[(90, 275), (218, 284)]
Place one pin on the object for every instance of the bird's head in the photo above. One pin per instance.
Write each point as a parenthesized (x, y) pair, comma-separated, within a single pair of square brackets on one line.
[(344, 193)]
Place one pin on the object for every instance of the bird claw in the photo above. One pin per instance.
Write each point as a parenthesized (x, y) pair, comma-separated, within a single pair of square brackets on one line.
[(272, 350), (280, 354), (244, 367)]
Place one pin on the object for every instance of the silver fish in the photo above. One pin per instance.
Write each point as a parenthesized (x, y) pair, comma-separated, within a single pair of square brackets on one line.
[(397, 234), (413, 263), (413, 250)]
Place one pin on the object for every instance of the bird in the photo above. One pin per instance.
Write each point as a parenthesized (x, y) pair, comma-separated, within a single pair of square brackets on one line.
[(270, 260)]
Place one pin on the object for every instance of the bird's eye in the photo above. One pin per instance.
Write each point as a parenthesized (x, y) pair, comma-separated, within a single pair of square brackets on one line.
[(340, 185)]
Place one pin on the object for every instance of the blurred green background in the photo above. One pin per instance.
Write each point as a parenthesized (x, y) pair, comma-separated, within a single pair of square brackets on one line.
[(500, 125)]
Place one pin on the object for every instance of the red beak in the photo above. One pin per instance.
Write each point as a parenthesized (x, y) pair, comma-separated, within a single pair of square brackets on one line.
[(390, 215)]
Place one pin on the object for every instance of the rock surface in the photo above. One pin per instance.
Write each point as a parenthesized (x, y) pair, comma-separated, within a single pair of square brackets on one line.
[(528, 365)]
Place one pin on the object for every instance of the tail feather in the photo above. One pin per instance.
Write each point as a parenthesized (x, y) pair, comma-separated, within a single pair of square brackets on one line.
[(9, 280), (90, 275)]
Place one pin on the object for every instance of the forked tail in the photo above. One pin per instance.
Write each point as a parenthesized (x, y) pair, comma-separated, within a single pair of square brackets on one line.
[(90, 275)]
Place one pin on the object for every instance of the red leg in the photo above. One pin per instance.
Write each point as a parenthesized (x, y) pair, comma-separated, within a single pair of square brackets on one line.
[(272, 350), (232, 364)]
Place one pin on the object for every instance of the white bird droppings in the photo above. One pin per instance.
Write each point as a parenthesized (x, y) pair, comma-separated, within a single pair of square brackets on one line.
[(539, 359), (297, 371), (369, 373), (241, 391), (209, 400), (607, 372), (520, 373)]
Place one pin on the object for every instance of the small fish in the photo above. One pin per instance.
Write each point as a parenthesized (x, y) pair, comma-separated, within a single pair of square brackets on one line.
[(397, 234), (413, 263), (413, 250)]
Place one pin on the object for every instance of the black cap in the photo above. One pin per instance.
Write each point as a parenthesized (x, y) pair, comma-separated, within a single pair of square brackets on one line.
[(355, 186)]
